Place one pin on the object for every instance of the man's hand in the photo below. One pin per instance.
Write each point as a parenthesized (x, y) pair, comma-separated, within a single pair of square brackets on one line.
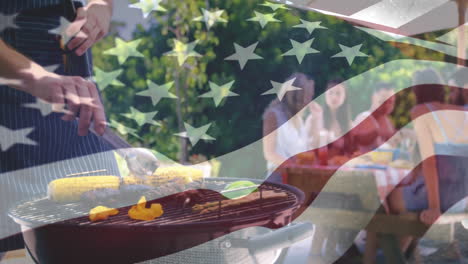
[(80, 95), (92, 24)]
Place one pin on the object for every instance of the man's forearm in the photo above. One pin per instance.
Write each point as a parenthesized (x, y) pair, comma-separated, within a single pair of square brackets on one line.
[(17, 69)]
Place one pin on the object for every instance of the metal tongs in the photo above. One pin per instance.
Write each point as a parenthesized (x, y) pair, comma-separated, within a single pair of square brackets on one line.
[(140, 161)]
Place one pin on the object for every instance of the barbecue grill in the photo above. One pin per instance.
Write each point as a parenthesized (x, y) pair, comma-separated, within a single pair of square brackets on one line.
[(50, 239)]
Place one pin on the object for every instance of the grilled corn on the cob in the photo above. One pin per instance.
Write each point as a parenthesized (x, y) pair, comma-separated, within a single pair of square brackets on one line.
[(166, 174), (133, 180), (71, 189), (190, 174)]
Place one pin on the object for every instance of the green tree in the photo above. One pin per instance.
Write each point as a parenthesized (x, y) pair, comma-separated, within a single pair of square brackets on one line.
[(237, 121)]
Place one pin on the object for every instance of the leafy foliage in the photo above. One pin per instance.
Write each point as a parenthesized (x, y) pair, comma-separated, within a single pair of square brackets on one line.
[(237, 122)]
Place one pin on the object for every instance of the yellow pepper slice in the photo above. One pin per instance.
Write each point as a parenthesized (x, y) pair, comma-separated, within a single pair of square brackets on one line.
[(101, 213), (140, 212)]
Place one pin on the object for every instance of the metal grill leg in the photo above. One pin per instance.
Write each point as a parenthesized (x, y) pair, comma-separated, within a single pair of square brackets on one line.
[(31, 255)]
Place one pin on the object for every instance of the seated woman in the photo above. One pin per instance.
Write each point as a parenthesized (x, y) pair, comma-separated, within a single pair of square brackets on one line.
[(442, 134), (285, 130), (377, 126), (337, 120), (443, 142), (331, 243)]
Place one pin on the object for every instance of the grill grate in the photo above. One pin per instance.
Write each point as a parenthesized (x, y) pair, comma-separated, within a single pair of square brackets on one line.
[(44, 211)]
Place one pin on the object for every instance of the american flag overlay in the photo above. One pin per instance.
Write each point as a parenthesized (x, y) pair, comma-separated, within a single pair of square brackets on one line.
[(235, 131)]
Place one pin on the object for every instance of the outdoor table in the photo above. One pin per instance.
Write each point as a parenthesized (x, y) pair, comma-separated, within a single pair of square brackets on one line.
[(369, 183), (371, 186)]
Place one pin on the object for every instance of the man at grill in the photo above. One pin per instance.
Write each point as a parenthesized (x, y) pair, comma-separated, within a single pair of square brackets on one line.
[(32, 133)]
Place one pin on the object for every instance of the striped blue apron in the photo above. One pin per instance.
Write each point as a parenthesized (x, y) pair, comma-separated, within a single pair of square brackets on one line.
[(57, 140)]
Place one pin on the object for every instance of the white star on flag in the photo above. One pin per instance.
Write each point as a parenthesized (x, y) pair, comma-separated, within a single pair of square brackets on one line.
[(148, 6), (183, 51), (300, 50), (142, 118), (280, 89), (243, 55), (263, 19), (7, 21), (124, 50), (63, 30), (218, 93), (210, 18), (195, 134), (9, 137), (122, 129), (350, 53), (157, 92), (46, 108), (274, 6), (104, 79), (310, 26)]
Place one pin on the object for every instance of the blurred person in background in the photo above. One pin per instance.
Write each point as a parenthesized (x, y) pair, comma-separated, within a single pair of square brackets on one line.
[(331, 243), (459, 87), (337, 119), (377, 126), (443, 143), (442, 134), (287, 129)]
